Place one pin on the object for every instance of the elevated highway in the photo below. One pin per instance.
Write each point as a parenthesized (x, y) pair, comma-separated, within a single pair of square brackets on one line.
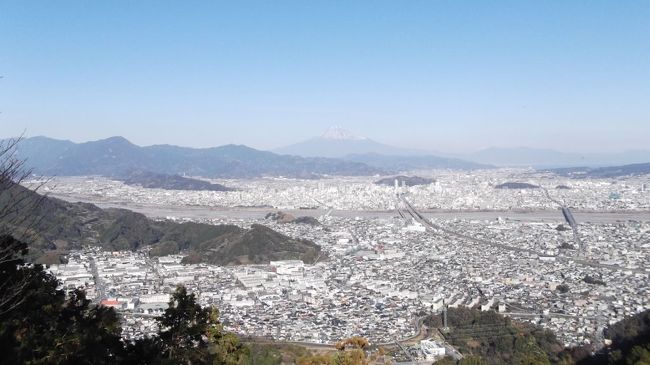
[(436, 229)]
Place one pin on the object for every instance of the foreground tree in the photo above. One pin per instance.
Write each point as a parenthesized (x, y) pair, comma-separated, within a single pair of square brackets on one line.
[(43, 327), (17, 218), (47, 327), (184, 329), (191, 334)]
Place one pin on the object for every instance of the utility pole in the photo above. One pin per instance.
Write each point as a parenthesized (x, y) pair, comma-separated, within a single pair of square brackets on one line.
[(445, 327)]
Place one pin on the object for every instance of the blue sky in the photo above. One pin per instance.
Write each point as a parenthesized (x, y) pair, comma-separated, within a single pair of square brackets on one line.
[(439, 75)]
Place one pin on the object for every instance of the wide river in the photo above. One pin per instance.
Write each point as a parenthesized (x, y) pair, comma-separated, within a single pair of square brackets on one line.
[(205, 212)]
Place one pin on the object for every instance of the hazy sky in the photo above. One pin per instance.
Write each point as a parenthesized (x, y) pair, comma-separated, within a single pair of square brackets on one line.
[(441, 75)]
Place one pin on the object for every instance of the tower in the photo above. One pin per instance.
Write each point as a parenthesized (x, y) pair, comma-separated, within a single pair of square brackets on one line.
[(444, 316)]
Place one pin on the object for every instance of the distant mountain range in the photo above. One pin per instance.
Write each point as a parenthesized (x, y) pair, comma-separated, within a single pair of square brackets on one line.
[(340, 143), (547, 158), (336, 152), (116, 156), (417, 162), (337, 142)]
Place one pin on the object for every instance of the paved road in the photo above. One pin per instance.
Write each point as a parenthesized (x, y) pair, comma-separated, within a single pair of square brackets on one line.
[(99, 283)]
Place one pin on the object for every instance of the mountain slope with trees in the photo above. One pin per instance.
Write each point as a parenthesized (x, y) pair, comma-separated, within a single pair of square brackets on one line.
[(53, 227), (492, 339), (62, 226), (630, 342), (152, 180), (116, 156), (257, 245), (405, 180)]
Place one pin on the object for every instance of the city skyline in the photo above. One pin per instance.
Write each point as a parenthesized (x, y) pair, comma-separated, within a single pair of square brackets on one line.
[(450, 77)]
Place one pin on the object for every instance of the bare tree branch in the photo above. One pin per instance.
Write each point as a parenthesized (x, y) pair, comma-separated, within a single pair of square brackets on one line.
[(19, 218)]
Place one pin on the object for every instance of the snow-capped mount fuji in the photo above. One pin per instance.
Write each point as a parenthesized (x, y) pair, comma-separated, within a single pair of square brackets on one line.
[(340, 134), (337, 142)]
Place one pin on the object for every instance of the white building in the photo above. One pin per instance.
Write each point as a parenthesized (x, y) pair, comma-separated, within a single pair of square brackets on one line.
[(431, 349)]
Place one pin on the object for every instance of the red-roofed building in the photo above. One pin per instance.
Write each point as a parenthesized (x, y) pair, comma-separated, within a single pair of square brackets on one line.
[(111, 303)]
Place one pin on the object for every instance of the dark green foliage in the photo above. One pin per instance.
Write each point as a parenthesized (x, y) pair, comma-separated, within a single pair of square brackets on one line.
[(128, 230), (473, 360), (192, 258), (562, 228), (264, 355), (562, 288), (592, 280), (566, 246), (282, 217), (154, 180), (577, 355), (630, 344), (638, 355), (490, 338), (516, 185), (228, 350), (41, 221), (493, 339), (191, 235), (43, 327), (184, 329), (307, 220), (630, 340), (144, 352), (164, 248), (66, 226), (290, 354), (407, 180), (190, 334), (257, 245)]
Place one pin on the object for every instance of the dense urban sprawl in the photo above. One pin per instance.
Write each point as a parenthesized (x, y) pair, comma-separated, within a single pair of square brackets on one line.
[(381, 275)]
